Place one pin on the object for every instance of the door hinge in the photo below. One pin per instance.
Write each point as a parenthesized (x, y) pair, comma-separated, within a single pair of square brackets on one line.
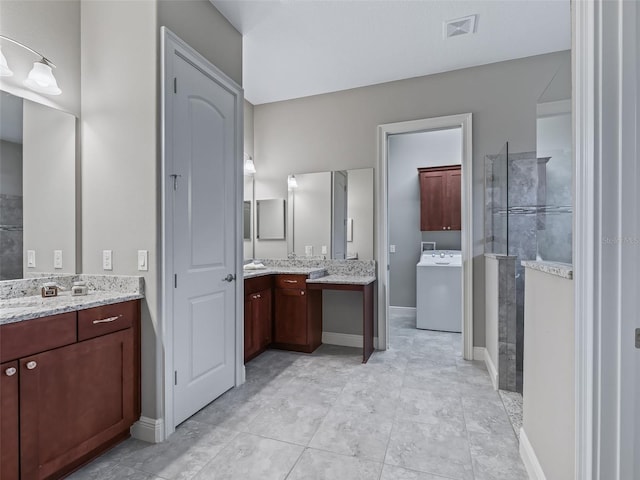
[(175, 377), (175, 280), (175, 84)]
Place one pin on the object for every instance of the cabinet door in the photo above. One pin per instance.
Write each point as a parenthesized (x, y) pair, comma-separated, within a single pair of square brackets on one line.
[(454, 200), (290, 322), (73, 400), (432, 200), (264, 318), (251, 346), (9, 426)]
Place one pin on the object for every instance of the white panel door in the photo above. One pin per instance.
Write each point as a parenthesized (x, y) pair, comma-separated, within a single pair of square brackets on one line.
[(339, 217), (203, 239)]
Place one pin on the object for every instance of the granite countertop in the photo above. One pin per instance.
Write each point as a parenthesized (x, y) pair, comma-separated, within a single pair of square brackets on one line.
[(345, 279), (27, 308), (564, 270), (312, 272)]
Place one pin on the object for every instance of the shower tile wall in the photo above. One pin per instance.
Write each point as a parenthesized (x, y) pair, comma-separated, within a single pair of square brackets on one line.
[(10, 236), (524, 185)]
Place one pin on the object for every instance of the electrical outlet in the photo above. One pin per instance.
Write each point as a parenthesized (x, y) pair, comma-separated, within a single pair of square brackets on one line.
[(324, 249), (392, 249), (143, 260), (57, 259), (308, 250), (107, 257), (31, 259)]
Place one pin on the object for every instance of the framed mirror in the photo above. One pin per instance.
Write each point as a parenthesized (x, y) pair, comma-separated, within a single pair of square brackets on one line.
[(270, 219), (37, 189)]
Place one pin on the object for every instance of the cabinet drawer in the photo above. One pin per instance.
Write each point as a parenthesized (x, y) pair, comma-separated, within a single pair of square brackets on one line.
[(291, 281), (34, 336), (257, 284), (98, 321)]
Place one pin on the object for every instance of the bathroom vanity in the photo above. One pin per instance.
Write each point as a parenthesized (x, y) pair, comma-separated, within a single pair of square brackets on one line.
[(70, 380), (283, 304)]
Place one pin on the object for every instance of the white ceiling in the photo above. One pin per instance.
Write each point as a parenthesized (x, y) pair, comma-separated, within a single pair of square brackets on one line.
[(297, 48)]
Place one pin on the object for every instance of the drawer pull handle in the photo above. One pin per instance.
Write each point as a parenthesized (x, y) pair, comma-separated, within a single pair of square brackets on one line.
[(290, 281), (107, 320), (31, 365), (301, 292), (11, 371), (255, 297)]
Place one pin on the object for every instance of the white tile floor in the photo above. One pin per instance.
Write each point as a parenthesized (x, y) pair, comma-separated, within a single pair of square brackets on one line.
[(415, 412)]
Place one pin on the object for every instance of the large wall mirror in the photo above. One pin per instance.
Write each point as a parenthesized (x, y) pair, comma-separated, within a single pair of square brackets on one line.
[(331, 215), (37, 189)]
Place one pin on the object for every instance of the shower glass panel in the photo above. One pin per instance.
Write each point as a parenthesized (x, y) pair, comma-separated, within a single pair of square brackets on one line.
[(496, 202)]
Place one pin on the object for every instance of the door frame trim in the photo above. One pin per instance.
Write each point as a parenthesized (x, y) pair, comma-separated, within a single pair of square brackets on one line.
[(170, 43), (464, 121)]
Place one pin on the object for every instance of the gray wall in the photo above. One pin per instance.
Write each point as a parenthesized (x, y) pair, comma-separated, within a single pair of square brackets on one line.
[(338, 131), (407, 153), (549, 372), (51, 27), (492, 286), (121, 138)]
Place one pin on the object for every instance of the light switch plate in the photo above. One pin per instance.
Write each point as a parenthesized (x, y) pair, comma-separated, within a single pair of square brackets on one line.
[(143, 260), (57, 259), (31, 259), (324, 249), (392, 249), (107, 260), (308, 250)]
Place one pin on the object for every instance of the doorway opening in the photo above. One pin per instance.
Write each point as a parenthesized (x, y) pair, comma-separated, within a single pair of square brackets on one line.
[(388, 137)]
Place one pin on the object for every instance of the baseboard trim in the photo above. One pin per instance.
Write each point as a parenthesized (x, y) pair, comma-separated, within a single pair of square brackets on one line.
[(147, 429), (478, 353), (345, 340), (400, 310), (482, 354), (529, 458)]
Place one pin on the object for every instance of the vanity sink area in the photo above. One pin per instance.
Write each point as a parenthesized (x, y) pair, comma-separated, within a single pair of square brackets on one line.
[(284, 302), (69, 372), (21, 299)]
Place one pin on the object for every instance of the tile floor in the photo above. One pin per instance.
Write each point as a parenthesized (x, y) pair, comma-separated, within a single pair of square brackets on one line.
[(415, 412)]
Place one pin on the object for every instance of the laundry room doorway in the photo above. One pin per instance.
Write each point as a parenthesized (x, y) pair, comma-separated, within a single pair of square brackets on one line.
[(424, 243)]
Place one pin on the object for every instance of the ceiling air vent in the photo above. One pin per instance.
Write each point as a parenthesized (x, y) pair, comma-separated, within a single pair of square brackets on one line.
[(460, 26)]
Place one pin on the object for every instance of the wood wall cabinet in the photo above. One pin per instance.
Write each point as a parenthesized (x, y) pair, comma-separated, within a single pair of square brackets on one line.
[(75, 398), (297, 317), (440, 198), (258, 316)]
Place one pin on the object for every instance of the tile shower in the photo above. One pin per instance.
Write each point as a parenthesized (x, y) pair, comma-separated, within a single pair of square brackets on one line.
[(528, 216)]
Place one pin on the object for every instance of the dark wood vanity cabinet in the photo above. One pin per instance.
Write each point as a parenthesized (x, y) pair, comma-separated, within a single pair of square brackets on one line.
[(75, 400), (297, 317), (9, 421), (258, 317), (440, 198)]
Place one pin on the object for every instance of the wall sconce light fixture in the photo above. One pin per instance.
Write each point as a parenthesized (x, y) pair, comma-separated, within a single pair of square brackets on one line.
[(292, 182), (40, 77), (249, 166)]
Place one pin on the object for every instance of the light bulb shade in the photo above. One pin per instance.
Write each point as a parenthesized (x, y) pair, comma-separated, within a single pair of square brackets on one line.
[(5, 71), (41, 79), (249, 167), (292, 182)]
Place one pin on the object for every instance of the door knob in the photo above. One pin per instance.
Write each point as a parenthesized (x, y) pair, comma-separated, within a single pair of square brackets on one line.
[(229, 278), (11, 371), (31, 365)]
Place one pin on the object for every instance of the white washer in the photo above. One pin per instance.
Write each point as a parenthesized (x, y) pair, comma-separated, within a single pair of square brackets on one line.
[(439, 291)]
